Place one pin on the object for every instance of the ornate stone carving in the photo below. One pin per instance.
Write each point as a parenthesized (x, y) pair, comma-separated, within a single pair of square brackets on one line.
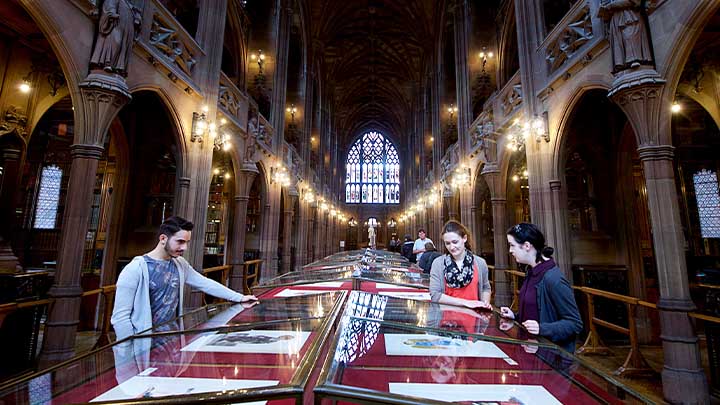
[(638, 94), (512, 99), (167, 41), (104, 95), (627, 33), (229, 101), (483, 131), (117, 29), (250, 149), (569, 40), (14, 121), (259, 127)]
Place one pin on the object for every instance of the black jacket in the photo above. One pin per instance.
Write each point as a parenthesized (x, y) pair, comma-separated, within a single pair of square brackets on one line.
[(426, 260), (559, 315), (407, 249)]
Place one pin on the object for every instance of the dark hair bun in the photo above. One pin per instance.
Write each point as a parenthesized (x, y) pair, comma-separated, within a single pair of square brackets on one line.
[(548, 251)]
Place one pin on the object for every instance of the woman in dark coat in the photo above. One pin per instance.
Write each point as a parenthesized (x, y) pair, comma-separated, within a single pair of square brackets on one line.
[(546, 302)]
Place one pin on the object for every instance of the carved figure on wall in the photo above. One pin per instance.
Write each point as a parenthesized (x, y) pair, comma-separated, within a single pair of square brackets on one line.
[(13, 121), (117, 29), (250, 150), (628, 34)]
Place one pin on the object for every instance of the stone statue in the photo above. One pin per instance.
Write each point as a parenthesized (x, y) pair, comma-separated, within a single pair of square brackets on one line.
[(371, 236), (119, 23), (627, 33)]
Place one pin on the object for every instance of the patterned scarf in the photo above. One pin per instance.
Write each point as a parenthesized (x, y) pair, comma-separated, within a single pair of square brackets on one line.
[(455, 277)]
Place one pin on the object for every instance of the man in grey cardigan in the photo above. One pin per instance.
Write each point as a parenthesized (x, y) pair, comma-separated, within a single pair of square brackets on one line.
[(150, 288)]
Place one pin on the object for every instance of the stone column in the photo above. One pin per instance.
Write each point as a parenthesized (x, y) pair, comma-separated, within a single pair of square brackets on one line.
[(318, 232), (243, 182), (287, 233), (561, 232), (639, 95), (279, 92), (102, 98), (467, 214), (503, 289), (449, 197), (11, 158), (301, 234), (461, 18)]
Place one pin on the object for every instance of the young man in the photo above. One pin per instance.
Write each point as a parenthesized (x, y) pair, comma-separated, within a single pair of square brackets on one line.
[(150, 288), (419, 246)]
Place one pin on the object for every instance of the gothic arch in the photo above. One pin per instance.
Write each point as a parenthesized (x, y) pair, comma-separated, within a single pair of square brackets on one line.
[(568, 111), (179, 132)]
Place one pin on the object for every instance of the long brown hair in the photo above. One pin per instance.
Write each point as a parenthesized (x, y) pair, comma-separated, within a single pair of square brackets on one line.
[(458, 228)]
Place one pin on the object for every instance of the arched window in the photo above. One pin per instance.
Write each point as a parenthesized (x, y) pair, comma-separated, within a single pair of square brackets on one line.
[(372, 173), (48, 197)]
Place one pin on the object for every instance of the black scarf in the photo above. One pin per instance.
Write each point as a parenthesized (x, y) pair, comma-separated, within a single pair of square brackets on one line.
[(459, 278)]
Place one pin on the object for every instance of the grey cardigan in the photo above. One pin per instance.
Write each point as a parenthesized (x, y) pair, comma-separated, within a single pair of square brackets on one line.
[(437, 277), (132, 314), (560, 319)]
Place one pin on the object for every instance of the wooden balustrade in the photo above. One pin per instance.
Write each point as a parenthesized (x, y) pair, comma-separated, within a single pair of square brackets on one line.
[(250, 278)]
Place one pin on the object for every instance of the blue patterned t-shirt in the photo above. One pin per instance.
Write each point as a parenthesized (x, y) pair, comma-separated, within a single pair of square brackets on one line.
[(164, 290)]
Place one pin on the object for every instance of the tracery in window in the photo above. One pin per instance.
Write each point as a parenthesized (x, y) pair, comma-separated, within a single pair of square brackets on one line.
[(372, 171), (708, 203), (46, 206)]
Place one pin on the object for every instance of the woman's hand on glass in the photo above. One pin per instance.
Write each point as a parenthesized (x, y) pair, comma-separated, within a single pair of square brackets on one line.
[(506, 312), (478, 305)]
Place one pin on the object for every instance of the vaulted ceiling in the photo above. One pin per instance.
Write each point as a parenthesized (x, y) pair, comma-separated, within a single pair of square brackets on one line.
[(373, 55)]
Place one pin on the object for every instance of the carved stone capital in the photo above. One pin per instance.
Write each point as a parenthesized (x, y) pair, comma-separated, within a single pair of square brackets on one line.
[(639, 95), (103, 96), (555, 185)]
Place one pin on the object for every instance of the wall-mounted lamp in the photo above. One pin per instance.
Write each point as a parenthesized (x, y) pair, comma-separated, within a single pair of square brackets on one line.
[(279, 174), (352, 222), (25, 87), (259, 57), (676, 107), (309, 196), (484, 56), (461, 177), (292, 110), (452, 110), (521, 175), (199, 126), (392, 223), (324, 206), (519, 132)]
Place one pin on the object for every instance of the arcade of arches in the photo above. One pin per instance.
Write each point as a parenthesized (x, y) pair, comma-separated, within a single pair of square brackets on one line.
[(281, 127)]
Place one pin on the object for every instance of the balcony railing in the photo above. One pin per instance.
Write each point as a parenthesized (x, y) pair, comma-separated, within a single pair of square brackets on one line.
[(233, 102), (169, 47), (570, 39)]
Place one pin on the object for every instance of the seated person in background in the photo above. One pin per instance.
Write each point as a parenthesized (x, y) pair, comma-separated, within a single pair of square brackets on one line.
[(427, 258), (459, 277), (150, 288)]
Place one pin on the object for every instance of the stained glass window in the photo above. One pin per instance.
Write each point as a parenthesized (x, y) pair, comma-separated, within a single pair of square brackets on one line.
[(708, 203), (372, 171), (48, 198)]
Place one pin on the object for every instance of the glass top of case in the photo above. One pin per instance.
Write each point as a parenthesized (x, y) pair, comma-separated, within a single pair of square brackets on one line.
[(376, 361), (230, 356)]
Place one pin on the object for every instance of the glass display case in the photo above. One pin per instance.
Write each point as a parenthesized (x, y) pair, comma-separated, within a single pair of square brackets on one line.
[(219, 354), (374, 359)]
